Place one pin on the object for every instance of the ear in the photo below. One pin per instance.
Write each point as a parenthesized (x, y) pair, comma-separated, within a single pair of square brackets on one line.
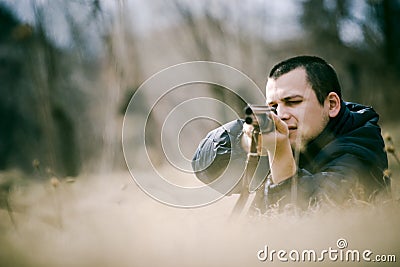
[(333, 102)]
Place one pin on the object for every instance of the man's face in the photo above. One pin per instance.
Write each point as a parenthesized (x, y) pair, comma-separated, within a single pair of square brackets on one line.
[(297, 105)]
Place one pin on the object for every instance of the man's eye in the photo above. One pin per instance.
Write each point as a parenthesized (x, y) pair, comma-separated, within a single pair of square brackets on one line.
[(274, 106), (294, 102)]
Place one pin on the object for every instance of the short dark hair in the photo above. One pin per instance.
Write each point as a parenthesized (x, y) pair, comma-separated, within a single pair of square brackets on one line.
[(321, 75)]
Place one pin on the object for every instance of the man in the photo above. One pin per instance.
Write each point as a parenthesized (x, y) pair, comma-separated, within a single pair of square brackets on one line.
[(333, 148)]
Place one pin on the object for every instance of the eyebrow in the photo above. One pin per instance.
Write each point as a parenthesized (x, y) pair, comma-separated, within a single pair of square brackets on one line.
[(291, 97), (285, 99)]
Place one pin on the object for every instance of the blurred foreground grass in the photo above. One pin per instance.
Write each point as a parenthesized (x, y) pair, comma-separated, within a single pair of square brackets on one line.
[(106, 220)]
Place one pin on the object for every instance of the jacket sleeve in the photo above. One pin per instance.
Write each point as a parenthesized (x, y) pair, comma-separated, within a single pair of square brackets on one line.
[(217, 149)]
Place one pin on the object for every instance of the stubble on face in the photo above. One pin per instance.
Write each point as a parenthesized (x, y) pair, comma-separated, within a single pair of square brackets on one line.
[(306, 133)]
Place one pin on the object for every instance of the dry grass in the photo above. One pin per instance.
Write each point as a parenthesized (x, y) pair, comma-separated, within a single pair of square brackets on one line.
[(107, 221), (391, 133)]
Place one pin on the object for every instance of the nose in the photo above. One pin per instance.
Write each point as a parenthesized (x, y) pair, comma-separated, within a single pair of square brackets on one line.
[(282, 112)]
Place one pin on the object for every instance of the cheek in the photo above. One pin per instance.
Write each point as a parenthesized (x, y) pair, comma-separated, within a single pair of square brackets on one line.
[(304, 116), (317, 123), (312, 121)]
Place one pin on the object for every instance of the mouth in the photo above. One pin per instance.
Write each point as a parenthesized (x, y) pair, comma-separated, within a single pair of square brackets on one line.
[(292, 128)]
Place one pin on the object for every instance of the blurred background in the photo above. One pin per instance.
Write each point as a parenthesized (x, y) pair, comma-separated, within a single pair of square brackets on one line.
[(69, 68)]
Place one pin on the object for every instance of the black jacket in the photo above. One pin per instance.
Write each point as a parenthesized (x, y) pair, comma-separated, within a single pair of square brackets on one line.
[(347, 158)]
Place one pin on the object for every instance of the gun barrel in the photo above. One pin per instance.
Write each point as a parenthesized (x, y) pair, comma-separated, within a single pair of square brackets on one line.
[(258, 116)]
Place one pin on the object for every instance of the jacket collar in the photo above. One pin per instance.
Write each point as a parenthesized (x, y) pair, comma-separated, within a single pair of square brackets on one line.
[(334, 127)]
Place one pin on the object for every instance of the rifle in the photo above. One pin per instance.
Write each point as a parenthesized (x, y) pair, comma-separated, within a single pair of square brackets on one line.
[(258, 117)]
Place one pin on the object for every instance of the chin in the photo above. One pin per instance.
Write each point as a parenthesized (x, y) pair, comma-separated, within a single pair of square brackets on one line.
[(297, 145)]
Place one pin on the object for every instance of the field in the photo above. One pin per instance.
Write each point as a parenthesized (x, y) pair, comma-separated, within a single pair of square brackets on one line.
[(106, 220)]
